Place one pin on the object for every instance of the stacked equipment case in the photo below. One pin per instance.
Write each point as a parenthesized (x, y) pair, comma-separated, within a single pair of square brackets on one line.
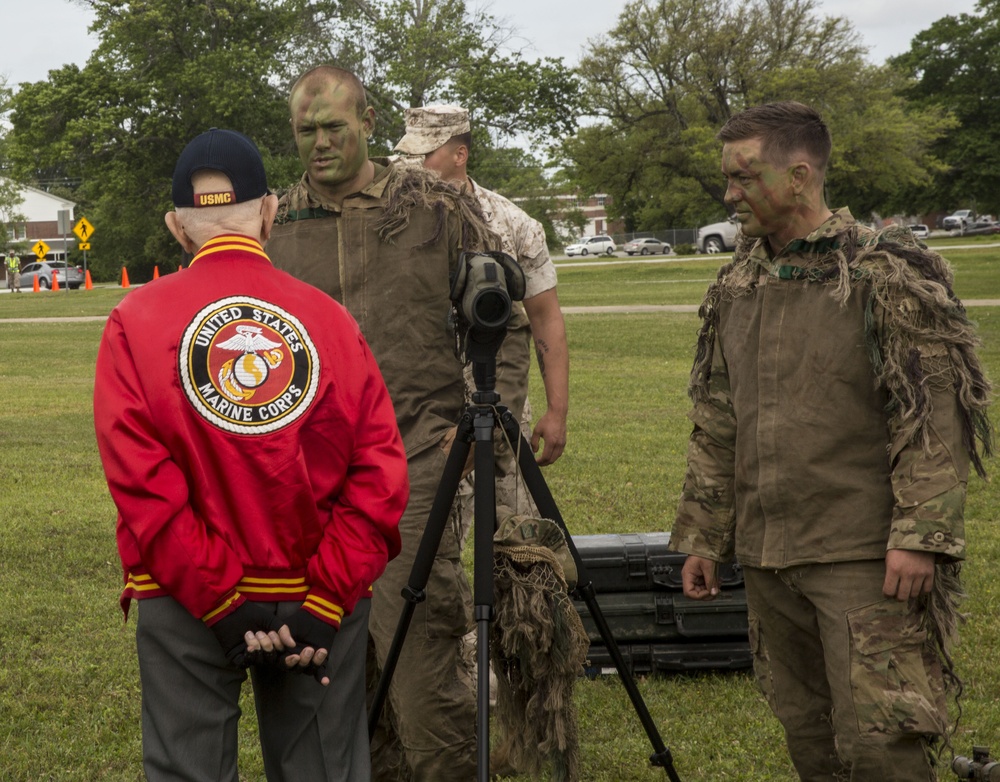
[(658, 630)]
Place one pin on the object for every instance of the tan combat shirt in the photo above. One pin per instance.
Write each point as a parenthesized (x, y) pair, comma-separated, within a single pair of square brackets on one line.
[(795, 456), (397, 291), (523, 239)]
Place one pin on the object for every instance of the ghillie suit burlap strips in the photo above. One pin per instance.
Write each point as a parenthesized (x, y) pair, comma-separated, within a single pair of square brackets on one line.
[(911, 301), (408, 188), (537, 649), (418, 188)]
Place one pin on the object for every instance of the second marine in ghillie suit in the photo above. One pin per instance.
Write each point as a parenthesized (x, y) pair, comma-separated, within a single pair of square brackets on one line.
[(892, 317)]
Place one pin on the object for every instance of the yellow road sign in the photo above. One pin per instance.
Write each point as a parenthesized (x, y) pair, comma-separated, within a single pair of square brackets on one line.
[(40, 249), (83, 229), (84, 245)]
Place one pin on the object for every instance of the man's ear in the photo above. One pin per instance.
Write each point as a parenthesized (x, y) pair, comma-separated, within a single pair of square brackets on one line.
[(368, 121), (177, 229), (268, 209), (461, 155), (799, 176)]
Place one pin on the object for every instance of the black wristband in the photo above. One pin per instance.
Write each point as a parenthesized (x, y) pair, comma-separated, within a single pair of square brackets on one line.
[(229, 631)]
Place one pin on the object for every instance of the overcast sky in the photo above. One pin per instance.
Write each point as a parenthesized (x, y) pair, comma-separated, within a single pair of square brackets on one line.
[(51, 33)]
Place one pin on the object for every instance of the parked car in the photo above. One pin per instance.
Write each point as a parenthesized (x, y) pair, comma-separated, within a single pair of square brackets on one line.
[(958, 221), (920, 231), (592, 245), (717, 237), (647, 245), (68, 275)]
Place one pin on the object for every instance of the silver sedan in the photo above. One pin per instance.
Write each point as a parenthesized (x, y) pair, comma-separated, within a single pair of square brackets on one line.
[(67, 275), (647, 246)]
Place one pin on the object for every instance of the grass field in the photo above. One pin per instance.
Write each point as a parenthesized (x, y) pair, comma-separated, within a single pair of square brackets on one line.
[(69, 693)]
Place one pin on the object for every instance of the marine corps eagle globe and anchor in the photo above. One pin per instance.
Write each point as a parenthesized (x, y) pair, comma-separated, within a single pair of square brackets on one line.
[(248, 366)]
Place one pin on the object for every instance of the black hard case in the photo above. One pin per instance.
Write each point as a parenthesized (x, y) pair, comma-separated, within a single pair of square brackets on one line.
[(646, 659), (638, 562), (638, 589)]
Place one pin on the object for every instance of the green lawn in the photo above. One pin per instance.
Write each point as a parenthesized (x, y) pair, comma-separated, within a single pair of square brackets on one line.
[(69, 693)]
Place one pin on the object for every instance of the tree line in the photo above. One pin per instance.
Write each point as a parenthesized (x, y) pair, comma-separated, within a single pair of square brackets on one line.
[(636, 119)]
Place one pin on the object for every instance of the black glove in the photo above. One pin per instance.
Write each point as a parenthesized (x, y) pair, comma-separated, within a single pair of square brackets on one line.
[(307, 630), (229, 632)]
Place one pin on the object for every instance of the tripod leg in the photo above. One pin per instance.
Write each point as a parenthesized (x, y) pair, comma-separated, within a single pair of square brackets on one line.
[(485, 524), (424, 560), (585, 588)]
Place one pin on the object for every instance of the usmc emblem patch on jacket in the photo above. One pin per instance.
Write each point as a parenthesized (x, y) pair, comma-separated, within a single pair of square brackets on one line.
[(248, 366)]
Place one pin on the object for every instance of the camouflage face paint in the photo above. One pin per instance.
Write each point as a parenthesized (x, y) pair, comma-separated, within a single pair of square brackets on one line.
[(331, 138), (761, 193)]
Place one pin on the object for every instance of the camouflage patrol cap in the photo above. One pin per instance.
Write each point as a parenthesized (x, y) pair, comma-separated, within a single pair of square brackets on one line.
[(430, 127)]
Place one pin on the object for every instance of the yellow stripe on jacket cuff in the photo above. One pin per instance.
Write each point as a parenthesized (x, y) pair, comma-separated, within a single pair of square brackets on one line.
[(229, 603), (331, 612)]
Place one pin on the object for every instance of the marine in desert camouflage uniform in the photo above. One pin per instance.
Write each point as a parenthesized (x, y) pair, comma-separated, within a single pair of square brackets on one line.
[(440, 137), (838, 401)]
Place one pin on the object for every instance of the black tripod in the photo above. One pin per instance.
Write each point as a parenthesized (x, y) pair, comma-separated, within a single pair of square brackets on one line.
[(477, 424)]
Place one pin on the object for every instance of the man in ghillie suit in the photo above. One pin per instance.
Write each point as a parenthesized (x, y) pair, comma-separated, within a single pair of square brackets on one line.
[(384, 239), (838, 402)]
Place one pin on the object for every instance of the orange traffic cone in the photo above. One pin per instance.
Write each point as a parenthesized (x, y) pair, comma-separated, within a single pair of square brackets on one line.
[(88, 285), (124, 277), (156, 272), (55, 280), (34, 284), (179, 267)]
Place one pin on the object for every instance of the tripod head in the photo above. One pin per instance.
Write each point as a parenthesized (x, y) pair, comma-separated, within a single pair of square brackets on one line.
[(482, 289)]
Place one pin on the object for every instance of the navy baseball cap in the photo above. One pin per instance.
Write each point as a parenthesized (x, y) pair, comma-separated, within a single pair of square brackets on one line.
[(226, 151)]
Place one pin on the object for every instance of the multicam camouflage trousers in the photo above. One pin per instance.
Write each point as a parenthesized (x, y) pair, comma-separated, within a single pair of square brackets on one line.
[(848, 672)]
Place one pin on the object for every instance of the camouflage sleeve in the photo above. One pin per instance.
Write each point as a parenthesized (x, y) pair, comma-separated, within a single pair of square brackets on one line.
[(928, 483), (930, 469), (706, 514), (533, 255)]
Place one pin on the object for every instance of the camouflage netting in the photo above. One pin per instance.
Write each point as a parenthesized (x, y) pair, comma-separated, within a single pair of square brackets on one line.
[(537, 649), (407, 188)]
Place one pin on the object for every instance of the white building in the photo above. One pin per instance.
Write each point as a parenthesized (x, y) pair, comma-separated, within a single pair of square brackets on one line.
[(40, 211)]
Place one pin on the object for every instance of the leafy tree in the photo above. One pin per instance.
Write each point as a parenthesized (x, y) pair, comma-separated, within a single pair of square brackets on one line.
[(955, 68), (164, 71), (419, 52), (670, 74), (10, 198)]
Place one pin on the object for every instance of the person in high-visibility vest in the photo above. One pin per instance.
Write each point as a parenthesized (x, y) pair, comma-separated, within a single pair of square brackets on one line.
[(13, 264)]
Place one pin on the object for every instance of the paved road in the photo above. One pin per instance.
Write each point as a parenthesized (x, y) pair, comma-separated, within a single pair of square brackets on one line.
[(563, 261), (603, 310)]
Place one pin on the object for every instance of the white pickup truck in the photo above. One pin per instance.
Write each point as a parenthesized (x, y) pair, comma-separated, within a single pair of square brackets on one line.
[(718, 237), (959, 221)]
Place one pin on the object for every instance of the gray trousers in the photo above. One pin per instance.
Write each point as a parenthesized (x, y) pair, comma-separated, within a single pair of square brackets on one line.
[(847, 671), (190, 704)]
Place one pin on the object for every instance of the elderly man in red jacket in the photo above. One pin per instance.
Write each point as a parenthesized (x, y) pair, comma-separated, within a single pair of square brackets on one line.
[(251, 448)]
